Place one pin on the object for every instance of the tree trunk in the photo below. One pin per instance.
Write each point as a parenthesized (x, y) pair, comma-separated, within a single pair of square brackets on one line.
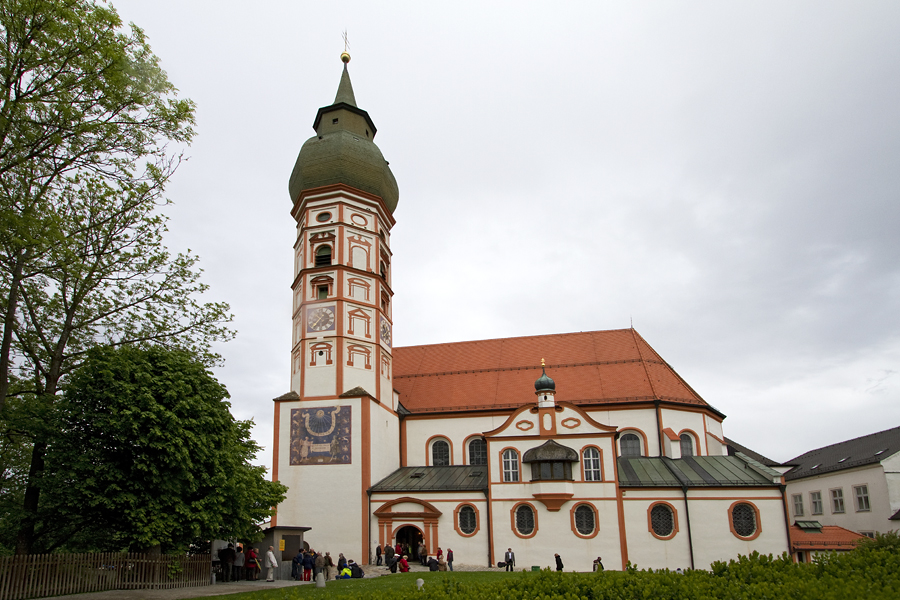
[(25, 539), (8, 324)]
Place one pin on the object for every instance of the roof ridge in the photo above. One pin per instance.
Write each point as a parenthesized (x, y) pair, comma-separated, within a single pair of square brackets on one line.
[(503, 339), (528, 367), (836, 444), (644, 363), (666, 364)]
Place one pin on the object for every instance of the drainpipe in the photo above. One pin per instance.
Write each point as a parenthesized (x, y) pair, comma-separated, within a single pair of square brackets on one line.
[(687, 516), (787, 519), (490, 529), (369, 528)]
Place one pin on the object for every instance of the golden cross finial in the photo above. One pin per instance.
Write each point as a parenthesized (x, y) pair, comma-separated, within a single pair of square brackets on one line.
[(542, 363)]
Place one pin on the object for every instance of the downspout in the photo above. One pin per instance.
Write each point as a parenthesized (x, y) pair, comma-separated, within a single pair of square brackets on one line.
[(659, 433), (787, 519), (687, 516), (369, 526), (490, 529)]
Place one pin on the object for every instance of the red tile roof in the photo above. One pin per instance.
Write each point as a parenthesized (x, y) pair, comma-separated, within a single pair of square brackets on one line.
[(589, 368), (831, 537)]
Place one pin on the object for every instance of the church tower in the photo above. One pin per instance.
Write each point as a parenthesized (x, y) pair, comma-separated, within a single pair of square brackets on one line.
[(336, 431)]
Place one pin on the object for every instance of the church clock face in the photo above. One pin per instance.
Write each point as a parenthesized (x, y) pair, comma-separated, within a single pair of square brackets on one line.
[(320, 319), (386, 332)]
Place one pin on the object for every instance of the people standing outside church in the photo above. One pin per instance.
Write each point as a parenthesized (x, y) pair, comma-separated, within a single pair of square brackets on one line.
[(226, 560), (308, 563), (329, 565), (450, 559), (238, 568), (510, 559), (319, 564), (271, 564), (378, 555), (598, 565), (252, 564), (388, 554), (559, 565), (404, 566)]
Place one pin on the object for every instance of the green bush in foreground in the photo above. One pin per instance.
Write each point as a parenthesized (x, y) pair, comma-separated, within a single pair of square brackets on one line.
[(872, 572)]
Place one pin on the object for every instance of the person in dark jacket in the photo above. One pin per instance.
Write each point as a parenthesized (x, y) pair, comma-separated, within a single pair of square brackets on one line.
[(392, 564), (297, 566), (356, 571), (308, 563), (450, 559), (433, 564), (342, 562), (559, 565), (378, 555)]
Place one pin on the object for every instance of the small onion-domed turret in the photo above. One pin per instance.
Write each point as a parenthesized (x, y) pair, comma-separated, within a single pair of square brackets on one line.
[(544, 383), (342, 151)]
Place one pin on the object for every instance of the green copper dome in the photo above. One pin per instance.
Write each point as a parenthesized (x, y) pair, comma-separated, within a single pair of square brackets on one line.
[(342, 151)]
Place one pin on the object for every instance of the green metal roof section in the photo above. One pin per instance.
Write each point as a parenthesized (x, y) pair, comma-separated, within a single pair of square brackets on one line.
[(434, 479), (690, 471), (345, 89)]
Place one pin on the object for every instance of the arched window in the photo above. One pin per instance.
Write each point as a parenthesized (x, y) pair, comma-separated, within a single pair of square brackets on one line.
[(687, 444), (525, 519), (592, 471), (510, 465), (630, 445), (662, 520), (323, 255), (743, 519), (585, 521), (477, 451), (467, 520), (440, 453)]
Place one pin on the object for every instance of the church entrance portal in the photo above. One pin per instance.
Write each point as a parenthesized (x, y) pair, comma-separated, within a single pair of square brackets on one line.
[(411, 535)]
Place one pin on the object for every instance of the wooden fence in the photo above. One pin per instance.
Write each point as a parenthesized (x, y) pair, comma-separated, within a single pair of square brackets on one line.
[(39, 575)]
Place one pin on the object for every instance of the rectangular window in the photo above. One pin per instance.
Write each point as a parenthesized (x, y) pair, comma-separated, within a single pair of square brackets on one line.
[(798, 505), (862, 497), (815, 501), (323, 292), (510, 465), (868, 534), (837, 500)]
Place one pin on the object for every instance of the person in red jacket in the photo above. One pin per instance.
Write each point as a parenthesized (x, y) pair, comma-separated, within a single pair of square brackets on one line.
[(404, 566)]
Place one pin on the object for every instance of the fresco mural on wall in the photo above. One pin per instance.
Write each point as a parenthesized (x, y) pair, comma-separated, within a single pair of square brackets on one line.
[(320, 436)]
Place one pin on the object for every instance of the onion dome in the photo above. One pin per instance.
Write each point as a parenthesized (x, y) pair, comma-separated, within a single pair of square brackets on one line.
[(342, 151), (544, 383)]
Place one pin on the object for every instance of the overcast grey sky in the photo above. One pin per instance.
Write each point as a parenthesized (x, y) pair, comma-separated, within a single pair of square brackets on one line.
[(726, 174)]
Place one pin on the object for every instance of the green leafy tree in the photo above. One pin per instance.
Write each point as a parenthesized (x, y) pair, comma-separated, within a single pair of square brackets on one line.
[(78, 94), (148, 455)]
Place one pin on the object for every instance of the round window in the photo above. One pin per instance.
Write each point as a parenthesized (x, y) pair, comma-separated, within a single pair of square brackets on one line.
[(323, 216), (662, 520)]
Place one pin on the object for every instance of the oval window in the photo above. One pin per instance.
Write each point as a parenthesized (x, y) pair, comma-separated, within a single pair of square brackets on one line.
[(743, 517), (662, 520), (323, 216), (525, 519), (468, 520), (584, 520)]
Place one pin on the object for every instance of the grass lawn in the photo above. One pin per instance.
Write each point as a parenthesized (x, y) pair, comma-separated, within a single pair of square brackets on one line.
[(354, 587)]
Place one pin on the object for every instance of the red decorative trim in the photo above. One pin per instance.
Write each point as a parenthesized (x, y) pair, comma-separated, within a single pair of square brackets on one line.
[(570, 423), (467, 460), (525, 425), (456, 519), (695, 437), (553, 501), (512, 516), (596, 520), (756, 533), (674, 521)]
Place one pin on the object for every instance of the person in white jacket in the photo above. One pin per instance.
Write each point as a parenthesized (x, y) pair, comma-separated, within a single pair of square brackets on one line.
[(271, 563)]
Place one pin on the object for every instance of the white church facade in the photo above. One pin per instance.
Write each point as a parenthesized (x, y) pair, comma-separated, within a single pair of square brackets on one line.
[(586, 444)]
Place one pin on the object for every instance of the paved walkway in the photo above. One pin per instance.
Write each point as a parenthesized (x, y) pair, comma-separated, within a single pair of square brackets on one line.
[(221, 588)]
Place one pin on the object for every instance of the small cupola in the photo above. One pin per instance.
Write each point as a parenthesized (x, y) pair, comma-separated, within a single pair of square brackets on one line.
[(545, 388)]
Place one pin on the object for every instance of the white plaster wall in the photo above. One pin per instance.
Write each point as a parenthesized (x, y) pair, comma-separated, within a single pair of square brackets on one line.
[(385, 433), (643, 419), (647, 551), (418, 431), (555, 535), (711, 531), (321, 379), (714, 447), (680, 420), (876, 519), (332, 530), (386, 382)]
